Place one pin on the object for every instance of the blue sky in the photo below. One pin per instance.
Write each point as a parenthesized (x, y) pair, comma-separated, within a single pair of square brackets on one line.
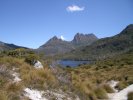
[(31, 23)]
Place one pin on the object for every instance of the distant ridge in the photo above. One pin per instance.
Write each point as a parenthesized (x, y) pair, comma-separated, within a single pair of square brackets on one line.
[(58, 46), (6, 46)]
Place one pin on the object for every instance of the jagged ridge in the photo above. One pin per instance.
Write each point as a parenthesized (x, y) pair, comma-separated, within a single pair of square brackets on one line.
[(58, 46)]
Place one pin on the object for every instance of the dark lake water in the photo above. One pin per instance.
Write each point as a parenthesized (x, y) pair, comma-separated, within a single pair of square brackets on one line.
[(72, 63)]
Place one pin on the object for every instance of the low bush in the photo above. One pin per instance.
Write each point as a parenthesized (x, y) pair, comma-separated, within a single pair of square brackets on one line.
[(31, 59)]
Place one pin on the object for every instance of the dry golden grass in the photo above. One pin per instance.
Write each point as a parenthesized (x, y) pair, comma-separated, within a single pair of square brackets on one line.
[(100, 93), (107, 88), (92, 78), (38, 78), (31, 77), (3, 95), (130, 96), (14, 87)]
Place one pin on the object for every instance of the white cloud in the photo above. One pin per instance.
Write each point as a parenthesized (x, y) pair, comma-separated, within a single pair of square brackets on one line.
[(74, 8), (62, 37)]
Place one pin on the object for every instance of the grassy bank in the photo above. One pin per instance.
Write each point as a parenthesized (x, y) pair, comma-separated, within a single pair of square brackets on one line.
[(92, 79)]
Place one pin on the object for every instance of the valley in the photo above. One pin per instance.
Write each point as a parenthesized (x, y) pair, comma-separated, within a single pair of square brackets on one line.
[(62, 70)]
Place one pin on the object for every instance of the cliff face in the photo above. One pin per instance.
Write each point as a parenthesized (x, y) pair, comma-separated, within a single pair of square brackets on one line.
[(84, 39)]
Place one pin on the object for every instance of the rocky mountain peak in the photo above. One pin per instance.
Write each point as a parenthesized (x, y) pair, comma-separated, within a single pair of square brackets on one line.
[(54, 38), (80, 38), (55, 46)]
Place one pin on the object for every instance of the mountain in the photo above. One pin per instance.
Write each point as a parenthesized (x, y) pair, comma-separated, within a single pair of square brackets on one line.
[(55, 46), (59, 46), (6, 46), (83, 39), (106, 47)]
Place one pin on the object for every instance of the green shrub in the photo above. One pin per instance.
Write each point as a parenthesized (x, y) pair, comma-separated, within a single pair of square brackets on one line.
[(130, 96), (31, 59)]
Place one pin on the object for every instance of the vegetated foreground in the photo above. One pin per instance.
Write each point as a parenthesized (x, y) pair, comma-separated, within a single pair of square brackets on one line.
[(20, 80)]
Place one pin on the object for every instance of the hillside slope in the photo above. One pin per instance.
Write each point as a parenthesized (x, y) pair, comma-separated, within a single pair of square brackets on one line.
[(106, 47), (6, 46)]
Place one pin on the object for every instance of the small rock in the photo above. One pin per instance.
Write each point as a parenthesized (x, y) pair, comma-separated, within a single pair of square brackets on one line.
[(38, 64)]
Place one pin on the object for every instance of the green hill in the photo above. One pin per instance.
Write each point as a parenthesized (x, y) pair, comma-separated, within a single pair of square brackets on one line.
[(105, 47)]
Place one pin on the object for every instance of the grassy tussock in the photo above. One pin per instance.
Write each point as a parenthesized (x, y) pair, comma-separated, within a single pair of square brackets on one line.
[(98, 74), (100, 93), (41, 78), (130, 96), (3, 95), (121, 85), (13, 87), (107, 88), (31, 77)]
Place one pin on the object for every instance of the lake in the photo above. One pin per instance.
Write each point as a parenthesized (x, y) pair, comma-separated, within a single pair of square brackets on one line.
[(72, 63)]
